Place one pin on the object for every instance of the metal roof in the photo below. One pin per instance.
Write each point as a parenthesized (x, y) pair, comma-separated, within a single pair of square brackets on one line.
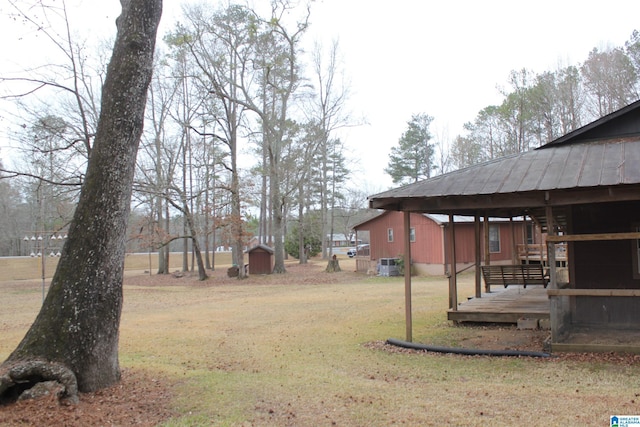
[(563, 167), (440, 219), (599, 162)]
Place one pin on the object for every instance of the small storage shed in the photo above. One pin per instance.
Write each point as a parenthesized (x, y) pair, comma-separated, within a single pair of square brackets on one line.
[(260, 259)]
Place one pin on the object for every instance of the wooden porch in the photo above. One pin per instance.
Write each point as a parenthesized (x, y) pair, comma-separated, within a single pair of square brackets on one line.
[(504, 305), (537, 254)]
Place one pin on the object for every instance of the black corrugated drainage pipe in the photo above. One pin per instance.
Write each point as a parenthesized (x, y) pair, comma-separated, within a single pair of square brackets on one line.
[(465, 351)]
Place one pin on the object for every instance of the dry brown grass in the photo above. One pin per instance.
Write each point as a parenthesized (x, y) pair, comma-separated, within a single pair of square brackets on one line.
[(27, 268), (304, 349)]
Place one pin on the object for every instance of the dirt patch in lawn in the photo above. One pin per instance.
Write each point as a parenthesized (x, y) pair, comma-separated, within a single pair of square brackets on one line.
[(140, 399)]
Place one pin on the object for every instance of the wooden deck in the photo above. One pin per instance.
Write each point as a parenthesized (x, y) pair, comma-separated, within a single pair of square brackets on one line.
[(504, 306)]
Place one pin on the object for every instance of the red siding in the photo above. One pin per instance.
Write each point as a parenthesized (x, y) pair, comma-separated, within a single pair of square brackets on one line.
[(379, 245), (507, 251), (465, 242), (429, 247)]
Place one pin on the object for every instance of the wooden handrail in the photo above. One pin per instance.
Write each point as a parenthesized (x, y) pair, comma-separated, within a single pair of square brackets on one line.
[(591, 237), (593, 292)]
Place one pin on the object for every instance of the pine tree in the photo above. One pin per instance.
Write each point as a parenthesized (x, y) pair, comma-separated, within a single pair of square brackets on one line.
[(412, 159)]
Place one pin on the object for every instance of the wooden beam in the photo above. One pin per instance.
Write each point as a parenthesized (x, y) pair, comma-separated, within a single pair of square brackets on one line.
[(453, 274), (514, 247), (593, 237), (478, 257), (407, 276), (487, 249), (512, 204), (557, 308), (490, 317), (551, 248), (594, 292)]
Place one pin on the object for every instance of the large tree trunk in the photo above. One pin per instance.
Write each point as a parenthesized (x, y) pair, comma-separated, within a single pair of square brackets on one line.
[(197, 254), (78, 325), (277, 215)]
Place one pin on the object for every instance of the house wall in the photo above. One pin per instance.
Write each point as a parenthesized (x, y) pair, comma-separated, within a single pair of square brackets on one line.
[(605, 264), (429, 245), (507, 250), (465, 242), (428, 252), (426, 249), (466, 247)]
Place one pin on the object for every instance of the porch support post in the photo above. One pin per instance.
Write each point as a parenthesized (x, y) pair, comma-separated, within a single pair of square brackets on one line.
[(453, 276), (551, 249), (558, 305), (525, 239), (407, 275), (478, 239), (487, 249), (514, 247)]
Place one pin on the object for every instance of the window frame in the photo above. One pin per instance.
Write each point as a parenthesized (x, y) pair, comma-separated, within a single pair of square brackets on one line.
[(530, 233), (492, 248)]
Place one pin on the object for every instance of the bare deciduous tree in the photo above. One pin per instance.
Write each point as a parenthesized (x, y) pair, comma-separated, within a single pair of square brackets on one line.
[(74, 339)]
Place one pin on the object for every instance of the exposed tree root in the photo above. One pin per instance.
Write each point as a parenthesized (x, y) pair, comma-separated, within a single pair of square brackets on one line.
[(33, 378)]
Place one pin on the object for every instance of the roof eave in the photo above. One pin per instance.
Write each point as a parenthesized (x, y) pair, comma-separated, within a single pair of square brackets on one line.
[(507, 204)]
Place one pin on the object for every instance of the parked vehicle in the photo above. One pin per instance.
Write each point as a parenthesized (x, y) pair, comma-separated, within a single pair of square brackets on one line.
[(360, 249)]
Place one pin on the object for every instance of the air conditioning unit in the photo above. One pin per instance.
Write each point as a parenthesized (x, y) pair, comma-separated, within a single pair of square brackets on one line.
[(388, 267)]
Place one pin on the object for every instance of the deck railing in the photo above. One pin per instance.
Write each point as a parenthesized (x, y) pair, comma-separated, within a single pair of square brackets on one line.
[(537, 252)]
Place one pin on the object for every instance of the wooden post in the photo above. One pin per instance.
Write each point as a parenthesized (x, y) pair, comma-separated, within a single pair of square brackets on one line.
[(551, 249), (556, 303), (478, 256), (487, 250), (514, 248), (525, 239), (407, 275), (453, 284)]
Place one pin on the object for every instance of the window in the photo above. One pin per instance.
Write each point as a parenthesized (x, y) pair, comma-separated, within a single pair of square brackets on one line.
[(530, 233), (412, 234), (494, 238), (389, 234)]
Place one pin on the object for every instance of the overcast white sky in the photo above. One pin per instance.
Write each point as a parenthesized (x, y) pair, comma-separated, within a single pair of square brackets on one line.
[(445, 58), (442, 58)]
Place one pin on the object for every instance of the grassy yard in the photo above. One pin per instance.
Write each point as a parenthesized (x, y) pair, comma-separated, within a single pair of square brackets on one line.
[(270, 352)]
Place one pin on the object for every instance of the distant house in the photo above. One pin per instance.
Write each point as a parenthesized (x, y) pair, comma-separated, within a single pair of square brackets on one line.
[(340, 244), (429, 242), (582, 189)]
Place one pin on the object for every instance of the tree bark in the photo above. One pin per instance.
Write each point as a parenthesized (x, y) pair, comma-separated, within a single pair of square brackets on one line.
[(78, 325), (197, 254), (333, 266)]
